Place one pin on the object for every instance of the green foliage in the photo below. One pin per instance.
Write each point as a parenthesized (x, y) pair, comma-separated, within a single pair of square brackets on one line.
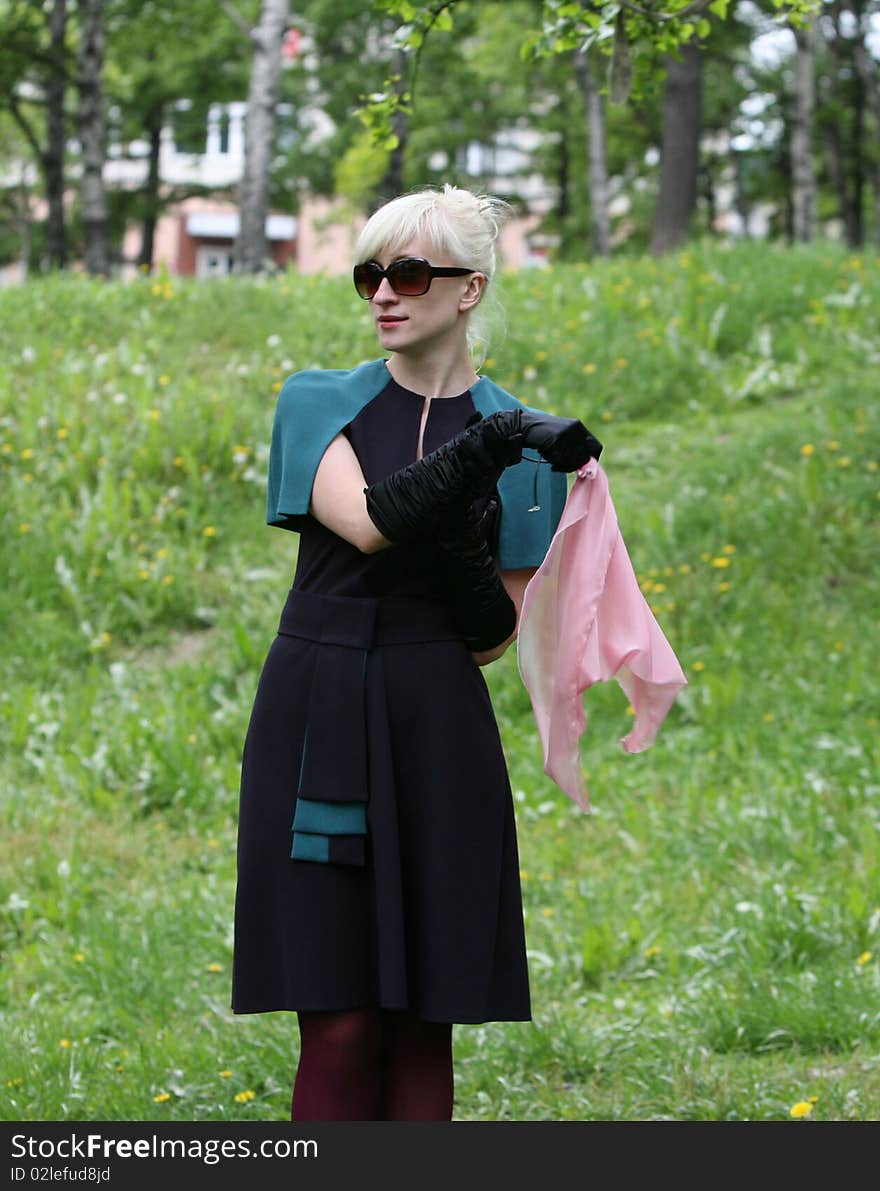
[(706, 944)]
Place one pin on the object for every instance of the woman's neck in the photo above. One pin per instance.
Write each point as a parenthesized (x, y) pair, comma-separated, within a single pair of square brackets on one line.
[(438, 377)]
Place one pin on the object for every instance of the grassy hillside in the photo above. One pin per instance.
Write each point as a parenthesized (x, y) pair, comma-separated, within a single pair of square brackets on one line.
[(705, 945)]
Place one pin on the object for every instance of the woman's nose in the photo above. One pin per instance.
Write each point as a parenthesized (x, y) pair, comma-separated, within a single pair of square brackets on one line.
[(385, 292)]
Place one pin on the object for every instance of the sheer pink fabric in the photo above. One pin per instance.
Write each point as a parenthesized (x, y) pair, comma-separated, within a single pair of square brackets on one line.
[(584, 620)]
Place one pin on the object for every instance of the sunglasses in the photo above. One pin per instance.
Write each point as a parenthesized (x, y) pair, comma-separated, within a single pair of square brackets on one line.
[(410, 277)]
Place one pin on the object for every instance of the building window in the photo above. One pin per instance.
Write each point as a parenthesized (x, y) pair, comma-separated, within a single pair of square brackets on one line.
[(223, 132), (213, 261)]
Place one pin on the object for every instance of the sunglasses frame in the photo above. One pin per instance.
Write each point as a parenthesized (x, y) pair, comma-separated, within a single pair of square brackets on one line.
[(380, 275)]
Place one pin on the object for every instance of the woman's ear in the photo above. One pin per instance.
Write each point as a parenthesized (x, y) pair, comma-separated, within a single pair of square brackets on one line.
[(476, 283)]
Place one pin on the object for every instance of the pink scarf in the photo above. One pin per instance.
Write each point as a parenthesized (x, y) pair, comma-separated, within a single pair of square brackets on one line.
[(584, 620)]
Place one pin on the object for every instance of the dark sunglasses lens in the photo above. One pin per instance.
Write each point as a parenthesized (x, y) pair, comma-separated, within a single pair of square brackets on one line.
[(410, 277), (367, 279)]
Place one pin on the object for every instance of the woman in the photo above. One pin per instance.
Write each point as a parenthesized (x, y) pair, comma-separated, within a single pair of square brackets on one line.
[(378, 881)]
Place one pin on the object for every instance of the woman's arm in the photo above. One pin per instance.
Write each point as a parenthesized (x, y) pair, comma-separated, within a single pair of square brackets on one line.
[(338, 499), (515, 584)]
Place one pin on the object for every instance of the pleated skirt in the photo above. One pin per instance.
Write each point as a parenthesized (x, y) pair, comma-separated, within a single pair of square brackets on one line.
[(432, 920)]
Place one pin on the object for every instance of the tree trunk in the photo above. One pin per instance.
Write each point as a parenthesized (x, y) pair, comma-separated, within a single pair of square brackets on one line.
[(251, 248), (803, 175), (53, 156), (392, 182), (680, 150), (91, 136), (867, 68), (594, 108), (151, 189)]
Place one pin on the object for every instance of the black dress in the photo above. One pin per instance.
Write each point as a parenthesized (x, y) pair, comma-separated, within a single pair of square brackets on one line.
[(431, 919)]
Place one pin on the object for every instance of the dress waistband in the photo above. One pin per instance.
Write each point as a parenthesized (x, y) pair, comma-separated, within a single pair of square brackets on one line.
[(360, 622)]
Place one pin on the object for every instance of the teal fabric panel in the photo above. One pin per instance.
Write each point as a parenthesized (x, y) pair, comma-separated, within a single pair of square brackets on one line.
[(314, 406), (330, 818), (310, 847), (532, 494)]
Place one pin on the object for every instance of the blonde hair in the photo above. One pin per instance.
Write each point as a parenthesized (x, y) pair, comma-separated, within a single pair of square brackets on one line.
[(456, 223)]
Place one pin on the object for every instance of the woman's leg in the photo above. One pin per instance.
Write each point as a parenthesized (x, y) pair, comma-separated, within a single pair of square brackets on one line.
[(339, 1075), (417, 1074)]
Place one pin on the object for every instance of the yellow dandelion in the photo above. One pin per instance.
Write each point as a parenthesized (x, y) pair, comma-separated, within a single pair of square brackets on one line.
[(722, 587), (839, 646), (227, 1074), (157, 290), (813, 1099), (589, 369), (606, 415), (769, 717), (684, 569), (621, 362), (79, 958), (215, 967), (659, 587), (807, 450), (651, 952), (705, 556), (548, 911), (523, 875), (209, 532), (192, 738), (27, 453), (803, 1108), (699, 666), (24, 527), (721, 562), (728, 549), (864, 958), (630, 710), (167, 580), (540, 357), (243, 1097), (162, 1097), (63, 432), (6, 448), (872, 465), (154, 414), (64, 1044), (105, 639), (844, 461), (833, 445), (178, 461), (143, 574)]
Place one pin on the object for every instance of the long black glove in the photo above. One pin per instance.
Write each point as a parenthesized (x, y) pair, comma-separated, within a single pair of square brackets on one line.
[(412, 502), (479, 604)]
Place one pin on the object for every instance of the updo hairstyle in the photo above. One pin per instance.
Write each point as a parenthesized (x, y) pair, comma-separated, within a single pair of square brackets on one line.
[(459, 224)]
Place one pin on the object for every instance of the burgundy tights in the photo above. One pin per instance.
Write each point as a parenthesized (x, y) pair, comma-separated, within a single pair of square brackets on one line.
[(372, 1065)]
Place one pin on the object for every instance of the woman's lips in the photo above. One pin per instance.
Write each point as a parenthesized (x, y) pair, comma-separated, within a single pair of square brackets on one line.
[(389, 320)]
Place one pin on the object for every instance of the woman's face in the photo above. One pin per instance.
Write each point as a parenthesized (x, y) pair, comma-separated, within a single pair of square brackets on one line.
[(435, 319)]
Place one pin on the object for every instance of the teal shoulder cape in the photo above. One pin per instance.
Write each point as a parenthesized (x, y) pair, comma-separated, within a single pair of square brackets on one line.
[(314, 406)]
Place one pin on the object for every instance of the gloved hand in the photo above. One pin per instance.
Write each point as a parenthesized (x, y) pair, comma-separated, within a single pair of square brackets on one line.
[(564, 442), (411, 502), (481, 608)]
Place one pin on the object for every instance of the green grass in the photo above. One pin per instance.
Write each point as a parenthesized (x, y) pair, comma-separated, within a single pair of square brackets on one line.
[(705, 945)]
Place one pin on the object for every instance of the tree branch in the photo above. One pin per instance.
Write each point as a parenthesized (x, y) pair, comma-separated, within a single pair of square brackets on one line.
[(237, 19), (26, 127)]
